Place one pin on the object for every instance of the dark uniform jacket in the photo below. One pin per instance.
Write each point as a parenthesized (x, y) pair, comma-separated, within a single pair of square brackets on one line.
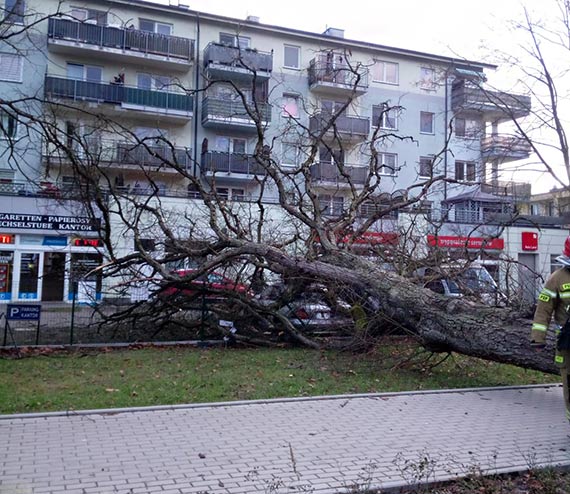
[(554, 299)]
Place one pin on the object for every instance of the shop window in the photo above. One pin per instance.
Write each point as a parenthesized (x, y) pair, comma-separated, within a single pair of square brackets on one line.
[(6, 263), (28, 286), (86, 280)]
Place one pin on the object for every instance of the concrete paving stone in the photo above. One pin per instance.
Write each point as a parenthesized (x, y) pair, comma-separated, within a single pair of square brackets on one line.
[(333, 440)]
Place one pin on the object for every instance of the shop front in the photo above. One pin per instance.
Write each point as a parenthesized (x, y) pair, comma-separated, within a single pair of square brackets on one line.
[(48, 258)]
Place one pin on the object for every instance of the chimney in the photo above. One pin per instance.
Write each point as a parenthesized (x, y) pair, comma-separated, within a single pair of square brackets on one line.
[(252, 18), (333, 32)]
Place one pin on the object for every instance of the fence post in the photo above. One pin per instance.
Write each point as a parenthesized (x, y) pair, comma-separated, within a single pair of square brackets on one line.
[(73, 314), (5, 333)]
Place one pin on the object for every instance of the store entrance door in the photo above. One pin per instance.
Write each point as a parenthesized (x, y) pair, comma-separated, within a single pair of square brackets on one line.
[(53, 276)]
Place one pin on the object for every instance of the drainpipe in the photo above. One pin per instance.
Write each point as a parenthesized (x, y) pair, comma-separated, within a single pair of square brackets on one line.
[(446, 116), (196, 87)]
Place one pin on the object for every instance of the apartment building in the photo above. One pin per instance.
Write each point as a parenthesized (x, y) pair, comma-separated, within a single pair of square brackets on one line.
[(112, 74)]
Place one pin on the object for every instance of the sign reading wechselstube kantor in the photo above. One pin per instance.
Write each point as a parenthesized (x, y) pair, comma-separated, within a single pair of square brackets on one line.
[(47, 222)]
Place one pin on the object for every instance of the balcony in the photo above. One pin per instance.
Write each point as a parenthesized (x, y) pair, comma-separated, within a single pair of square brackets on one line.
[(327, 75), (230, 166), (222, 61), (516, 190), (169, 105), (504, 148), (494, 104), (114, 43), (121, 154), (231, 114), (350, 128), (328, 174)]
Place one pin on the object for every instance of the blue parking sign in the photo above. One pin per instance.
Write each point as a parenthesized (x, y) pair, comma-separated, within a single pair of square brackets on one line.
[(21, 312)]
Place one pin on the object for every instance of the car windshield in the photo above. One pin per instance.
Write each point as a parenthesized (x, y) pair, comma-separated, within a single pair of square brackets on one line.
[(453, 287)]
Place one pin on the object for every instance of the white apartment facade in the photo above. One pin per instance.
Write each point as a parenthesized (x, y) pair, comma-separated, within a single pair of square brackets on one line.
[(167, 74)]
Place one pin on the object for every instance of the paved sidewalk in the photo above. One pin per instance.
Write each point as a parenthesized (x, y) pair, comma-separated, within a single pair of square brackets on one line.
[(302, 445)]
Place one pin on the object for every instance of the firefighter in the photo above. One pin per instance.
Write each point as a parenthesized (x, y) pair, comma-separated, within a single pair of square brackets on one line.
[(554, 300)]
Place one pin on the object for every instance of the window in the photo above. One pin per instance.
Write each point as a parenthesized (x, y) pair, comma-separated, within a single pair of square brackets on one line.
[(231, 144), (426, 167), (291, 105), (146, 245), (385, 117), (386, 72), (154, 82), (155, 27), (535, 209), (331, 107), (230, 194), (292, 57), (387, 163), (427, 78), (235, 41), (8, 126), (290, 154), (427, 122), (14, 11), (88, 73), (465, 171), (466, 128), (11, 67), (336, 157), (331, 205), (90, 16)]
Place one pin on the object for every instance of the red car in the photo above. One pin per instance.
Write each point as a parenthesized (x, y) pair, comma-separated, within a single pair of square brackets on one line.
[(213, 285)]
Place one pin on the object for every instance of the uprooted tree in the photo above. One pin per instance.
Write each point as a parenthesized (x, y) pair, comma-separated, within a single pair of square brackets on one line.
[(307, 216)]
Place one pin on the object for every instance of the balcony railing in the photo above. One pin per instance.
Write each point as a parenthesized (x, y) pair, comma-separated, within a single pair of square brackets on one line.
[(119, 153), (505, 147), (465, 96), (221, 162), (327, 70), (330, 173), (241, 58), (343, 124), (124, 39), (228, 110), (518, 190), (78, 90)]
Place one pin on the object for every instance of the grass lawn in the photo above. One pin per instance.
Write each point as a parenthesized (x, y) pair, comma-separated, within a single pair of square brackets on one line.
[(163, 376)]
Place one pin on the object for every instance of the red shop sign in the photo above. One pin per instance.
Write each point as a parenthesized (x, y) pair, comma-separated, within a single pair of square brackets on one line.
[(529, 240), (466, 242)]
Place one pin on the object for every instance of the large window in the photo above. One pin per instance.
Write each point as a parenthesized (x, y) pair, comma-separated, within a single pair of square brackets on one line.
[(155, 27), (331, 205), (386, 72), (89, 73), (8, 126), (90, 16), (385, 117), (427, 122), (290, 154), (14, 11), (231, 144), (465, 171), (11, 67), (467, 128), (154, 82), (427, 78), (387, 163), (291, 57), (291, 105), (426, 167), (235, 41)]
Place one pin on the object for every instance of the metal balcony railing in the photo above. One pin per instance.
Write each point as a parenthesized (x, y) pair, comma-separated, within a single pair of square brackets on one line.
[(122, 38), (119, 153), (78, 90), (343, 124), (471, 97), (328, 69), (244, 58), (222, 162), (508, 146), (219, 108), (329, 172), (519, 190)]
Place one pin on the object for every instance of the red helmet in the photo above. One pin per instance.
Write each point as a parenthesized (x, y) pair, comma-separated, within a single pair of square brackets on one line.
[(566, 251)]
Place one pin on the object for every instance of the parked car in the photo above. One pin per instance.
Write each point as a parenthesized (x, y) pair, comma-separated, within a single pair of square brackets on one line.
[(314, 309), (212, 285)]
